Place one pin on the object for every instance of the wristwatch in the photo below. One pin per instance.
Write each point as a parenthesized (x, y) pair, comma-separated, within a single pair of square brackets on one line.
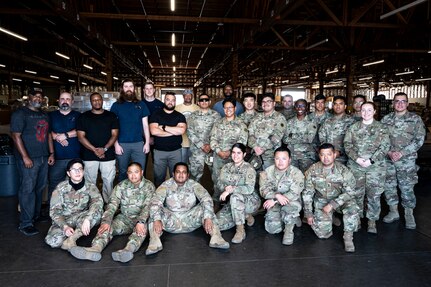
[(164, 128), (105, 149)]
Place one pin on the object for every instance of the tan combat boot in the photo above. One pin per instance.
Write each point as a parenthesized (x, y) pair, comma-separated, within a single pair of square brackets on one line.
[(155, 244), (348, 242), (288, 234), (239, 235), (216, 240), (372, 226), (92, 253), (250, 220), (70, 242), (392, 214), (410, 219), (126, 254), (298, 221)]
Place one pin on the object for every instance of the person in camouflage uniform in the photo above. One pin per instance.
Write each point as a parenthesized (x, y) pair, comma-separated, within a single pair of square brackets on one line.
[(334, 129), (249, 102), (281, 186), (366, 144), (132, 198), (288, 111), (226, 132), (299, 137), (320, 114), (330, 187), (236, 184), (175, 208), (199, 127), (358, 100), (266, 131), (407, 133), (76, 207)]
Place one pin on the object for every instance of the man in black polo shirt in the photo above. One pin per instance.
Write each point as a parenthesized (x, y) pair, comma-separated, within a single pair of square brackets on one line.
[(167, 127)]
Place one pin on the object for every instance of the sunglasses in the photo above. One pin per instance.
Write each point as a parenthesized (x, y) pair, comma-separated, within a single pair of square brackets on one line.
[(204, 100)]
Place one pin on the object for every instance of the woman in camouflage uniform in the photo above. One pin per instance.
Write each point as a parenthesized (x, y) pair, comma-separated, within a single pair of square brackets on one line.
[(236, 185)]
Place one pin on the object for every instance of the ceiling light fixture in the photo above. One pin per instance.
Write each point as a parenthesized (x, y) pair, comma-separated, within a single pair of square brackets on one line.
[(62, 55), (285, 81), (174, 69), (423, 79), (404, 73), (17, 80), (88, 67), (13, 34), (173, 58), (35, 82), (331, 72), (373, 63), (84, 83), (173, 40), (172, 5), (364, 79), (72, 81), (30, 72), (254, 70), (402, 8), (115, 78), (103, 73), (3, 66), (54, 77), (304, 77), (276, 61), (317, 44)]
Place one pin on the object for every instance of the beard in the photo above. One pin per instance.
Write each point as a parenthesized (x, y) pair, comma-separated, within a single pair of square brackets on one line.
[(64, 107), (128, 96), (168, 108)]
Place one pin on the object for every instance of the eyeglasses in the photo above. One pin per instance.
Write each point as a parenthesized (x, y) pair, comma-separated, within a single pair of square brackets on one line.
[(400, 102), (204, 100), (76, 170), (267, 102)]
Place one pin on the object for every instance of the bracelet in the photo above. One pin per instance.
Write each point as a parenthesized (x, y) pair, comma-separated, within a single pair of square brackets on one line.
[(66, 135)]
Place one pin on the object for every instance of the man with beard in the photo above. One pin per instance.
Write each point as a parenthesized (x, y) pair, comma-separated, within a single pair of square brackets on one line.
[(187, 108), (97, 132), (66, 144), (133, 118), (228, 94), (34, 151), (167, 127)]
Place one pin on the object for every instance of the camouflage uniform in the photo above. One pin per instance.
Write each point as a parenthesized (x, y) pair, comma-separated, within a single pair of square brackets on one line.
[(319, 120), (223, 136), (333, 131), (288, 114), (335, 186), (299, 137), (134, 205), (248, 117), (244, 199), (368, 142), (71, 207), (267, 133), (407, 134), (199, 127), (181, 209), (290, 184)]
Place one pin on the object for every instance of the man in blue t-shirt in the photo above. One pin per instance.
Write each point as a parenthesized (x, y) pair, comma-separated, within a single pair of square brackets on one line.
[(228, 94), (66, 144), (167, 127), (133, 142)]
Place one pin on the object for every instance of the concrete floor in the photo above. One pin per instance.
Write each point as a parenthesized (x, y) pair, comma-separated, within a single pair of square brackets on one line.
[(394, 257)]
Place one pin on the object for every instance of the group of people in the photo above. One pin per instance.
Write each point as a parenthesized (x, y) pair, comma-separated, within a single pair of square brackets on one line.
[(291, 161)]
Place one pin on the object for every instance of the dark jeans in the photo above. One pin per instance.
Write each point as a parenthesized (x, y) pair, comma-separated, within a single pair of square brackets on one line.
[(57, 174), (32, 183), (163, 160)]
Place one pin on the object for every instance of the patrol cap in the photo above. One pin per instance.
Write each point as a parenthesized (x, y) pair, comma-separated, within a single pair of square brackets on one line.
[(73, 161), (187, 92)]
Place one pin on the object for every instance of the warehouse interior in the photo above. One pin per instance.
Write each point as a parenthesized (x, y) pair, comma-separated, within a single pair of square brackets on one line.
[(330, 47)]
